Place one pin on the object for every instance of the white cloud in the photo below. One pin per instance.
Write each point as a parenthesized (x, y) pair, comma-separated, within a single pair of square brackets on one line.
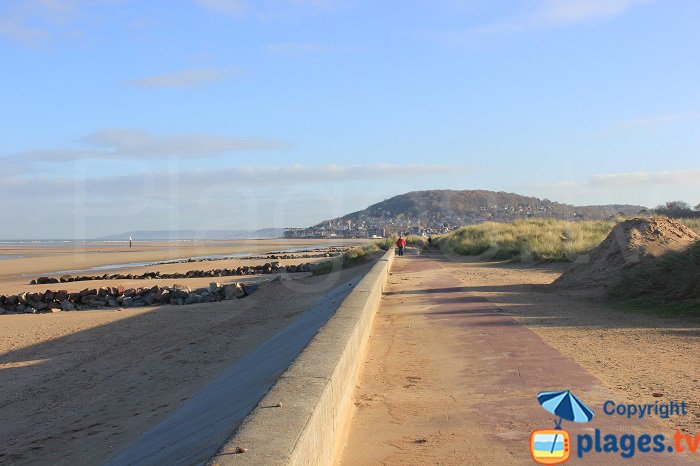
[(675, 177), (182, 79), (31, 21), (121, 144), (184, 185), (562, 12), (296, 48), (544, 14), (655, 120), (139, 142), (244, 7), (229, 7)]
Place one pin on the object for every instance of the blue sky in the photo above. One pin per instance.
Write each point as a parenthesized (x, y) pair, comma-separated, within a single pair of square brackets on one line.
[(126, 115)]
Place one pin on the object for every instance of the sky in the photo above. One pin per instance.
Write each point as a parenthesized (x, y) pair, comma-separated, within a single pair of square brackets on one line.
[(124, 115)]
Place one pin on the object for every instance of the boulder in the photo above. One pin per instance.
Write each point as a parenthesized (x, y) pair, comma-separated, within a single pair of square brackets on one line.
[(234, 291), (67, 305), (88, 292), (34, 297)]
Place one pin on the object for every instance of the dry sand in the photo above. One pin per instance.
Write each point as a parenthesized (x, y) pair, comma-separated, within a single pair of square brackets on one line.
[(75, 387)]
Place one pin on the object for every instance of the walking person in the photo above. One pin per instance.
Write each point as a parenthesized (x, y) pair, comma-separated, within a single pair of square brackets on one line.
[(401, 245), (131, 241), (430, 242)]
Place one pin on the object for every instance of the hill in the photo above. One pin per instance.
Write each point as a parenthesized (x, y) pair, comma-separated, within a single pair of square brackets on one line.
[(439, 209)]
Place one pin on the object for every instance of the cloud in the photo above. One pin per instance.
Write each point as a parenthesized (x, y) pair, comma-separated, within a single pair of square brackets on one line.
[(244, 7), (563, 12), (229, 7), (675, 177), (186, 185), (32, 21), (296, 48), (182, 79), (139, 142), (545, 14), (655, 120), (121, 144)]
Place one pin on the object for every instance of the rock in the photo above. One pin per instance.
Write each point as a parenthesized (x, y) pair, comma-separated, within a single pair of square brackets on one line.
[(214, 287), (88, 292), (39, 306), (33, 282), (234, 291), (67, 305), (61, 295)]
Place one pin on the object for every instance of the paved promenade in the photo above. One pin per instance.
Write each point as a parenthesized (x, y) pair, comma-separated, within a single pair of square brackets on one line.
[(451, 379)]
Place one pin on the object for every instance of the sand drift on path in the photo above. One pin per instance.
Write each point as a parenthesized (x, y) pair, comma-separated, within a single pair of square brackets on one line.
[(631, 243)]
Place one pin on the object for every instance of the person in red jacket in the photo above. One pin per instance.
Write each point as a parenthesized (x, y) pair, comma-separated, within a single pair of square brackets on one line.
[(401, 244)]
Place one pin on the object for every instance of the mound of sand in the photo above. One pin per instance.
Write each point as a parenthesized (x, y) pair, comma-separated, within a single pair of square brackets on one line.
[(631, 243)]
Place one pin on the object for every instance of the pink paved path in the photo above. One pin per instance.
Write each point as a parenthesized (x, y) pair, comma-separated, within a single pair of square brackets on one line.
[(449, 378)]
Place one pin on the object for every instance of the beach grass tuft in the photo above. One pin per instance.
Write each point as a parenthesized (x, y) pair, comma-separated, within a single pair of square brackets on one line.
[(538, 240), (354, 256)]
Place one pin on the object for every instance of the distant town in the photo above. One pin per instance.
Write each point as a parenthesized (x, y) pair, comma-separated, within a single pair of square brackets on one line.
[(387, 224)]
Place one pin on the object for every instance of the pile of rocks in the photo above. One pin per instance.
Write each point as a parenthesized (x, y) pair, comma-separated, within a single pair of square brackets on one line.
[(268, 268), (274, 255), (118, 296)]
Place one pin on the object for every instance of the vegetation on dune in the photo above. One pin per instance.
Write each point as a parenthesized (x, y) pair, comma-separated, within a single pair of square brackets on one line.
[(355, 256), (415, 241), (539, 240), (693, 223), (671, 282)]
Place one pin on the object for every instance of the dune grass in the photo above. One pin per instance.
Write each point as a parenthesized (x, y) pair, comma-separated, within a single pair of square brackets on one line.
[(693, 223), (411, 240), (354, 256), (527, 240)]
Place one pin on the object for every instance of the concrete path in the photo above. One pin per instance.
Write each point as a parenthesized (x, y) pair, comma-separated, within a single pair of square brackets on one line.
[(195, 432), (451, 379)]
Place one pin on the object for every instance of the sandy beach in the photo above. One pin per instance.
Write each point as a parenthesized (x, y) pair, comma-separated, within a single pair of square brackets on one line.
[(76, 387)]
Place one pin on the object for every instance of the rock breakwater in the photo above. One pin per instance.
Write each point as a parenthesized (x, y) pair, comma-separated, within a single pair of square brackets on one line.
[(107, 297), (268, 268)]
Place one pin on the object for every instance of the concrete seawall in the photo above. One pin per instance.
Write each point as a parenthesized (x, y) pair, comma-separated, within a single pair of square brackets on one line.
[(315, 393)]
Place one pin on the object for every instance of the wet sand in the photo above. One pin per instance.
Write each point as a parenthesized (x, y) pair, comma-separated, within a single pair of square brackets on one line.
[(15, 274)]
